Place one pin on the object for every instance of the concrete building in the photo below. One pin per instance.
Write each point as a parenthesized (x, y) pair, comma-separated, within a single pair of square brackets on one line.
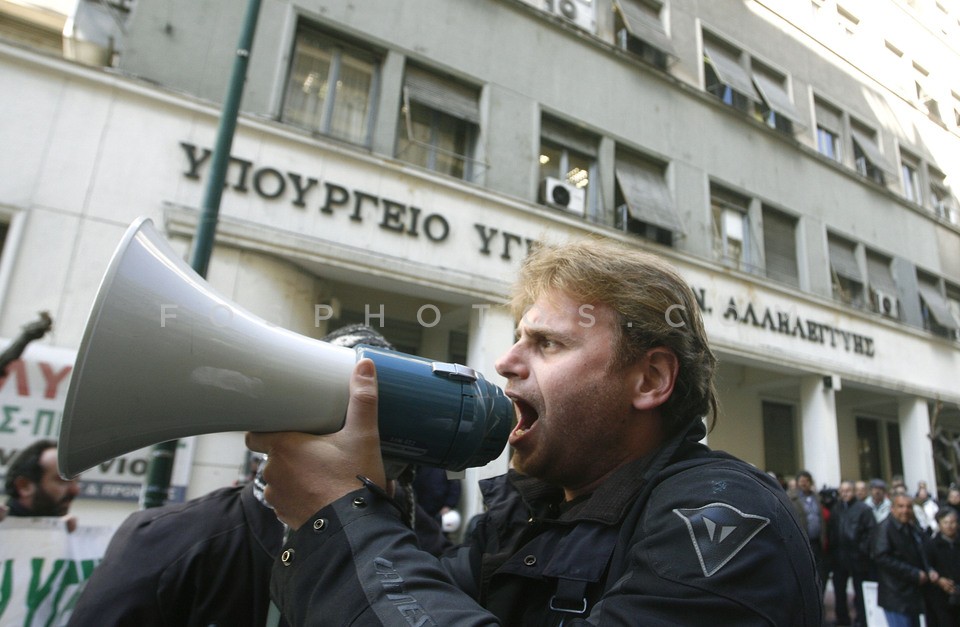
[(394, 161)]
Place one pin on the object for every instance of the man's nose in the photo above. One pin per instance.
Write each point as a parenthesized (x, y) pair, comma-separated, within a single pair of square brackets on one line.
[(510, 365)]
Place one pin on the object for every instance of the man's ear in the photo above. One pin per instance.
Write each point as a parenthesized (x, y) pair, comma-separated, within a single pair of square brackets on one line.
[(24, 487), (657, 373)]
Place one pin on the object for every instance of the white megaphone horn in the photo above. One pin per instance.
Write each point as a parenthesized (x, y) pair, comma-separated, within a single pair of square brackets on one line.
[(164, 356)]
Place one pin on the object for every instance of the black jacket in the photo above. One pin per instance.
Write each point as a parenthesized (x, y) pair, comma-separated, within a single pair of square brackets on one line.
[(684, 536), (900, 555), (850, 527), (195, 564)]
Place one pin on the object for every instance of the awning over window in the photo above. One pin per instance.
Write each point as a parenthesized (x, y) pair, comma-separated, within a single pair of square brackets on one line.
[(843, 261), (448, 97), (871, 151), (647, 196), (776, 97), (938, 307), (645, 27), (828, 118), (730, 71), (879, 275)]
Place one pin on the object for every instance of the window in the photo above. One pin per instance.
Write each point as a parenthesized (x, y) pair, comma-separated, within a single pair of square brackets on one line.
[(760, 90), (935, 308), (893, 66), (643, 200), (779, 438), (780, 246), (847, 277), (330, 87), (941, 198), (725, 77), (829, 127), (848, 22), (868, 446), (868, 159), (953, 305), (775, 107), (925, 101), (883, 289), (639, 28), (877, 460), (910, 172), (731, 228), (439, 124), (568, 161)]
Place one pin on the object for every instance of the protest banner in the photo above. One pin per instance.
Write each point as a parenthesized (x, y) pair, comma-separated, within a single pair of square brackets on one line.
[(43, 567)]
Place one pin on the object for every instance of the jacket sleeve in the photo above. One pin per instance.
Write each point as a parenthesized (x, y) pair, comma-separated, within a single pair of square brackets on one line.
[(865, 530), (885, 555), (715, 542), (123, 588), (356, 563)]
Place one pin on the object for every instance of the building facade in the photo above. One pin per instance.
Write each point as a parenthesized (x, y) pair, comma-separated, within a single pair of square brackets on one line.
[(393, 163)]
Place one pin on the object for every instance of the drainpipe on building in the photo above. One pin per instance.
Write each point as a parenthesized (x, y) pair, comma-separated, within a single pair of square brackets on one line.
[(162, 455)]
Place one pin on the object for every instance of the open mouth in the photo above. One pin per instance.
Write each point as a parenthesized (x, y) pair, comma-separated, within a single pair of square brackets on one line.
[(526, 418)]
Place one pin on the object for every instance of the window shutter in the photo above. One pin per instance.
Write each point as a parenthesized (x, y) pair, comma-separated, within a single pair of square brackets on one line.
[(879, 275), (730, 71), (644, 26), (780, 247), (647, 195), (452, 98), (776, 97), (937, 305), (843, 261)]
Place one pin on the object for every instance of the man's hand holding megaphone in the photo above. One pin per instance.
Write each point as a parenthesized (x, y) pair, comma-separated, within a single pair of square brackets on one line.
[(305, 472)]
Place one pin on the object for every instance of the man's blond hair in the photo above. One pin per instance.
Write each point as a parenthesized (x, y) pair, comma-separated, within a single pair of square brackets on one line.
[(654, 304)]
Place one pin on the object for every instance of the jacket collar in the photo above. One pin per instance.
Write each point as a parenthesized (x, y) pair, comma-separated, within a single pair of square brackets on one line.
[(609, 503)]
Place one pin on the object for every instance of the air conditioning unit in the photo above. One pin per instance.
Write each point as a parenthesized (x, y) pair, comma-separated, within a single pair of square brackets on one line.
[(583, 13), (563, 195), (887, 304)]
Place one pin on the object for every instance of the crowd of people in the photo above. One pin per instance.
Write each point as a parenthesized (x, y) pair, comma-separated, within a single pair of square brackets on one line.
[(871, 532)]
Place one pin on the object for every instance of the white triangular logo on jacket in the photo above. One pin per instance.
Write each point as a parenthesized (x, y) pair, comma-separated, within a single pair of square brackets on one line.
[(719, 531)]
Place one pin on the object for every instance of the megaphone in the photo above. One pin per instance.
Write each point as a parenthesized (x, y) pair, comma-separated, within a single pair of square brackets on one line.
[(164, 356)]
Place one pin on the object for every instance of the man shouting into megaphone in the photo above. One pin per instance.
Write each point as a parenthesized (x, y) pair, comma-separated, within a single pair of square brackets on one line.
[(613, 511)]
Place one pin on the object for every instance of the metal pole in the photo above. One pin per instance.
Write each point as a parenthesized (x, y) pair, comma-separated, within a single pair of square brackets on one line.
[(162, 455)]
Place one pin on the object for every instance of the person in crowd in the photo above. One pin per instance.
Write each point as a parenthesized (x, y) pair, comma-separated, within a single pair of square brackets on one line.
[(851, 524), (861, 491), (206, 561), (925, 509), (900, 554), (809, 511), (613, 511), (943, 553), (896, 484), (878, 502), (35, 486), (203, 562), (953, 497)]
